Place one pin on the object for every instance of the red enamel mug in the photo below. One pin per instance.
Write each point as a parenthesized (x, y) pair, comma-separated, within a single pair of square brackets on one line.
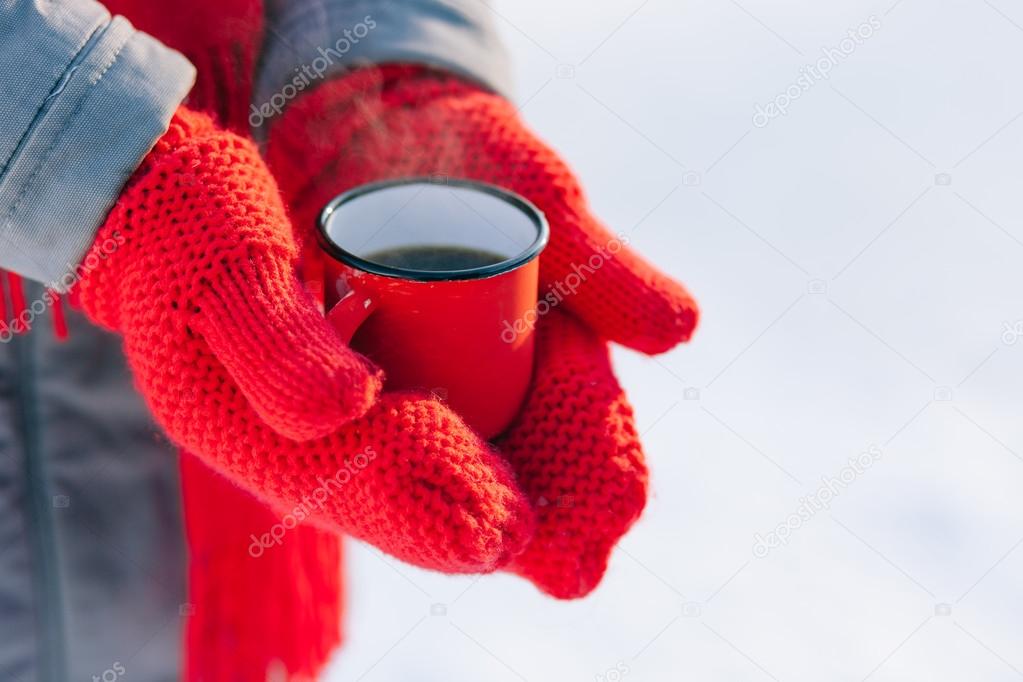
[(426, 278)]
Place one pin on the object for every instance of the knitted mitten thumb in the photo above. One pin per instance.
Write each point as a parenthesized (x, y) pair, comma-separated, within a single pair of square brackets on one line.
[(198, 244)]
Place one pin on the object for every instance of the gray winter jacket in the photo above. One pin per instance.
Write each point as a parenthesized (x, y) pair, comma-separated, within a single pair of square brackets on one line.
[(91, 548)]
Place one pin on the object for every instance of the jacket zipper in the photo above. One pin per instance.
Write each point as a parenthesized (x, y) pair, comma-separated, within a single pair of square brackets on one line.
[(51, 648)]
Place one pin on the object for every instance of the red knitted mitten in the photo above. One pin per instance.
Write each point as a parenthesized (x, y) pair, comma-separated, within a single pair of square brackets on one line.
[(574, 448), (577, 456), (222, 39), (195, 267)]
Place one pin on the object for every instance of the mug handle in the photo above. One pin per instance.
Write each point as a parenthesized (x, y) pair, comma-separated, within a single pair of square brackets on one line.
[(350, 312)]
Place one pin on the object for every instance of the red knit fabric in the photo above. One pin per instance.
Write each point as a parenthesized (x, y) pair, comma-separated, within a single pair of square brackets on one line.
[(255, 612), (222, 39), (574, 448), (59, 320), (199, 239), (223, 340), (20, 322), (576, 452)]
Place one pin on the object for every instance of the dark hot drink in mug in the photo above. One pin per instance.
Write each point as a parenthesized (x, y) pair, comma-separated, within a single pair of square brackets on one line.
[(436, 258)]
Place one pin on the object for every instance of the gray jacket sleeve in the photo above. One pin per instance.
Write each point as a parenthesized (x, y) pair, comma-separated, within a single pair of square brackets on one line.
[(309, 40), (83, 97)]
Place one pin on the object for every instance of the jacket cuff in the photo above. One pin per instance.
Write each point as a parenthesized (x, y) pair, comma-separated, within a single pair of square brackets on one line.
[(315, 40), (89, 99)]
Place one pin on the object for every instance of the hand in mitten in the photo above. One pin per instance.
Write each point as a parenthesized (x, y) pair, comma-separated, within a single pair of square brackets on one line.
[(576, 454), (575, 439), (195, 267)]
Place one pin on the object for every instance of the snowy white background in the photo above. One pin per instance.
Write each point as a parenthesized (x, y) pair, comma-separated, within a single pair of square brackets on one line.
[(857, 262)]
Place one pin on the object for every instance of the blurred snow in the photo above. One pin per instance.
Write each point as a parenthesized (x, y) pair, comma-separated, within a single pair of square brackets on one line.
[(858, 264)]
